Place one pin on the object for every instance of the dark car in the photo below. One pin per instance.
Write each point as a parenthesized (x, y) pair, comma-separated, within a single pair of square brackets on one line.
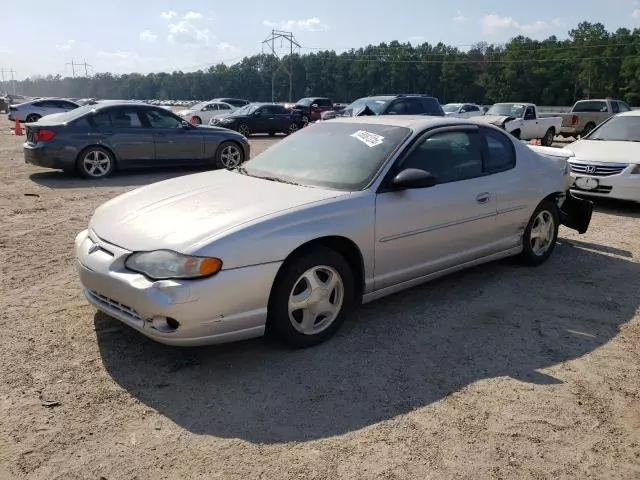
[(236, 102), (404, 104), (261, 118), (311, 108), (96, 140)]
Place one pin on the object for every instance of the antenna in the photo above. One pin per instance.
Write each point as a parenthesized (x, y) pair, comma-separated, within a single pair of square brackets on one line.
[(270, 42)]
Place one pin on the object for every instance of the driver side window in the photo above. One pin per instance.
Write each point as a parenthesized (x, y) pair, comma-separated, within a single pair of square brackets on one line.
[(162, 119), (449, 156)]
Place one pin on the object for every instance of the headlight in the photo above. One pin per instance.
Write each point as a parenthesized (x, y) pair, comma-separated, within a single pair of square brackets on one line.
[(226, 120), (166, 264), (636, 170)]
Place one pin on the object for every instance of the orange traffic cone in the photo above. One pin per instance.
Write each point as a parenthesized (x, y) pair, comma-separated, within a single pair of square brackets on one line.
[(18, 129)]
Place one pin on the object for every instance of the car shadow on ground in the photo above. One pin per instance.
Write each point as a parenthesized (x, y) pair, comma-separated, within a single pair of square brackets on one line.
[(392, 356), (129, 178), (618, 208)]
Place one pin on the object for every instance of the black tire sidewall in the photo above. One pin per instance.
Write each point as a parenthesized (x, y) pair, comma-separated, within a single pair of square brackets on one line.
[(549, 134), (221, 147), (32, 117), (247, 127), (81, 170), (278, 322), (527, 256)]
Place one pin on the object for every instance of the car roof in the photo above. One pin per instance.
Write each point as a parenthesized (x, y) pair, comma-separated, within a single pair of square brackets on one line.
[(414, 122)]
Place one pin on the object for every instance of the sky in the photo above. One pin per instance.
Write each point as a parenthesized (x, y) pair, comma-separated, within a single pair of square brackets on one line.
[(118, 36)]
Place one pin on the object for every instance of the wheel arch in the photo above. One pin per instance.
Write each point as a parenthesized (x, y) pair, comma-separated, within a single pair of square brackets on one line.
[(341, 245)]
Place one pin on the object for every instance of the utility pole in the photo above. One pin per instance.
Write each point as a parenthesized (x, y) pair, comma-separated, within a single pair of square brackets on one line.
[(75, 64), (270, 43), (73, 68)]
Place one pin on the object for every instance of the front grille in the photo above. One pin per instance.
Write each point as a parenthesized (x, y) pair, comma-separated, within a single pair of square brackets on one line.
[(598, 170), (128, 311)]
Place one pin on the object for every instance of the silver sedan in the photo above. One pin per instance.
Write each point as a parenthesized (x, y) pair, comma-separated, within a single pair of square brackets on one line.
[(341, 213)]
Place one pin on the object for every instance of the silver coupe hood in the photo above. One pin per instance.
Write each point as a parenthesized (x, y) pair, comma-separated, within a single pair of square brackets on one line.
[(493, 119), (178, 213)]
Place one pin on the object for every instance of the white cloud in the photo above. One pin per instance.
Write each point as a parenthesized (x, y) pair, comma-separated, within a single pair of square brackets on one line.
[(192, 16), (66, 45), (309, 25), (186, 33), (168, 15), (635, 14), (493, 24), (228, 51), (148, 36), (459, 18)]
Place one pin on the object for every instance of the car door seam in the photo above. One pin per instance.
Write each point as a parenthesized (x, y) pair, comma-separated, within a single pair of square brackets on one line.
[(436, 227), (511, 209)]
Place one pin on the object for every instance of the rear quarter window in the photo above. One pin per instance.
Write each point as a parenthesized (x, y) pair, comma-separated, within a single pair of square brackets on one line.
[(432, 107)]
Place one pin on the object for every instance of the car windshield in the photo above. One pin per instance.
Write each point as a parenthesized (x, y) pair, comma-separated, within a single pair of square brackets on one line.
[(508, 109), (451, 107), (199, 106), (621, 129), (305, 102), (336, 155), (375, 104), (247, 109)]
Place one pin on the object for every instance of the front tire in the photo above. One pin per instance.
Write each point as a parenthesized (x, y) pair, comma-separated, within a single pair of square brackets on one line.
[(540, 235), (195, 120), (293, 128), (96, 163), (229, 155), (310, 298)]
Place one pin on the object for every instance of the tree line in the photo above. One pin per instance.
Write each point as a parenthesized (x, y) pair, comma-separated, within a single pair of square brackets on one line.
[(591, 62)]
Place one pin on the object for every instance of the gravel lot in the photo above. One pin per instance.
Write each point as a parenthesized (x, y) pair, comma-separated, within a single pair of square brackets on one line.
[(496, 372)]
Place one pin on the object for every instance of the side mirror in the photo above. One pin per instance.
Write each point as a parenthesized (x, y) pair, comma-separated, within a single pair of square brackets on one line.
[(410, 178), (315, 105), (257, 113)]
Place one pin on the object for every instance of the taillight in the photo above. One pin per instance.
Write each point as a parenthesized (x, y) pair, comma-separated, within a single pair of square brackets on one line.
[(43, 135), (575, 119)]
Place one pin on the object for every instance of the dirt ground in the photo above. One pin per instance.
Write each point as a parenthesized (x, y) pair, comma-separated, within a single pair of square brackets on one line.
[(497, 372)]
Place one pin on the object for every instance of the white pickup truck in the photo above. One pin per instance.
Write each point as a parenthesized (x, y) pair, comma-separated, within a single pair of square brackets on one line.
[(523, 121)]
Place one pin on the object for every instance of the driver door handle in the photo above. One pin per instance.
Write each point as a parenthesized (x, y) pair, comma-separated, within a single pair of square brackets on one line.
[(483, 198)]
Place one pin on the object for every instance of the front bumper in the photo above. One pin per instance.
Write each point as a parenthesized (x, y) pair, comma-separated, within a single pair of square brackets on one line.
[(229, 306)]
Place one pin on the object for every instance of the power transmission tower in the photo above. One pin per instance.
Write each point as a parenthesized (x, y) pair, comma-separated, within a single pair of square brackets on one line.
[(270, 42), (76, 64)]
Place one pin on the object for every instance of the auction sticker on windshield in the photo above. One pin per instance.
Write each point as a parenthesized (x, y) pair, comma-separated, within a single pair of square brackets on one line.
[(368, 138)]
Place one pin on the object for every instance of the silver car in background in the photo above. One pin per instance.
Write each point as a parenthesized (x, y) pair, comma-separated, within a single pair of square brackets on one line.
[(341, 213)]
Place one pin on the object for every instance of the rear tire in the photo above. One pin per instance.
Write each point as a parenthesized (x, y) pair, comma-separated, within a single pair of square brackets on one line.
[(32, 117), (310, 298), (229, 155), (547, 140), (196, 120), (540, 235), (95, 163), (587, 129)]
